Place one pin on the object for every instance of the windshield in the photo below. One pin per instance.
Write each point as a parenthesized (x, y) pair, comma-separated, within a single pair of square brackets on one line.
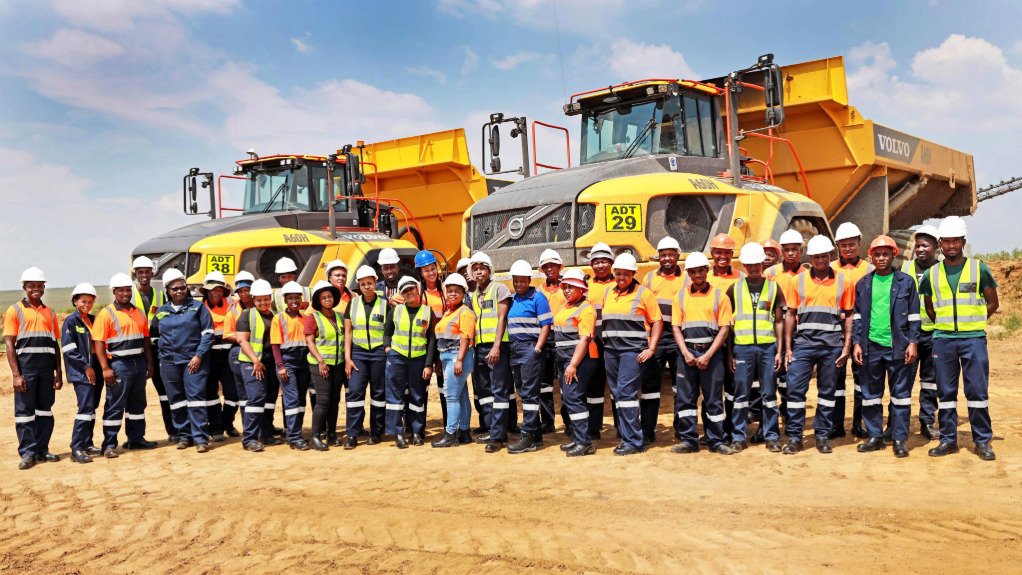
[(650, 127), (278, 191)]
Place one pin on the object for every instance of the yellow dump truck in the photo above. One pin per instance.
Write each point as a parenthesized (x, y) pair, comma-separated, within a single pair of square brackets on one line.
[(655, 160), (315, 209)]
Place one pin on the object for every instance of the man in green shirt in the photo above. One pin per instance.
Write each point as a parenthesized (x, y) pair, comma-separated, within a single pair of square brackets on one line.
[(885, 334), (960, 294)]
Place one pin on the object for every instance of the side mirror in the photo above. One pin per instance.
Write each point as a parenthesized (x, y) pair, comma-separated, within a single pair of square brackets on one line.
[(190, 192), (494, 140), (355, 178), (773, 82)]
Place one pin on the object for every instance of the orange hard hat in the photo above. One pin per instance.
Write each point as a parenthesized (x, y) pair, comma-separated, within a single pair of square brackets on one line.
[(769, 244), (883, 242), (722, 241)]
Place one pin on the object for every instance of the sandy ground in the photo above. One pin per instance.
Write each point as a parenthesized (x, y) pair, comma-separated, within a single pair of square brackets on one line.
[(377, 509)]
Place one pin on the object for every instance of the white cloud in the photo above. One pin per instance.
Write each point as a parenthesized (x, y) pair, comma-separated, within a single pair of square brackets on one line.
[(123, 15), (575, 16), (512, 61), (428, 72), (470, 63), (74, 48), (635, 60), (70, 234), (301, 46)]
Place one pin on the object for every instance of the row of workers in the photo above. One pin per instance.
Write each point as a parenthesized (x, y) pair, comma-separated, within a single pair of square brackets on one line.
[(786, 319)]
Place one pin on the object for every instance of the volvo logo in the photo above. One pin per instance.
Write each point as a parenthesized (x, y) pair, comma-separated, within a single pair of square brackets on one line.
[(516, 227)]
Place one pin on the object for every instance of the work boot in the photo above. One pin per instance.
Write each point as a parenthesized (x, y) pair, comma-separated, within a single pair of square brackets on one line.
[(943, 449), (464, 436), (278, 432), (110, 453), (548, 427), (351, 442), (399, 441), (80, 456), (793, 447), (27, 462), (268, 441), (47, 457), (184, 443), (93, 450), (568, 446), (318, 444), (375, 440), (202, 448), (140, 444), (232, 431), (217, 437), (494, 446), (685, 447), (334, 440), (757, 438), (525, 443), (299, 444), (417, 439), (254, 446), (984, 452), (900, 450), (929, 431), (448, 440), (624, 450), (723, 449), (774, 446), (482, 439), (823, 445), (739, 446), (871, 444), (581, 450)]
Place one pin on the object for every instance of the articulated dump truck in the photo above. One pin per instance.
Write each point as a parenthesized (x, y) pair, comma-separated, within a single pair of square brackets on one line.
[(407, 194), (655, 160)]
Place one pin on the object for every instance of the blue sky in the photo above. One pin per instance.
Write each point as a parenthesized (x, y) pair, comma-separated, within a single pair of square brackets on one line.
[(105, 105)]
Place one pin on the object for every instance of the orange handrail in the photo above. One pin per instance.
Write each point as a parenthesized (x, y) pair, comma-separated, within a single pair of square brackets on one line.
[(220, 194), (567, 143)]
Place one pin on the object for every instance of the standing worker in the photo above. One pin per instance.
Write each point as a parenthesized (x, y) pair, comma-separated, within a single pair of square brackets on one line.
[(849, 239), (337, 275), (287, 271), (772, 253), (664, 283), (925, 252), (885, 332), (528, 320), (411, 347), (31, 332), (184, 329), (632, 327), (722, 276), (365, 359), (550, 263), (574, 327), (433, 296), (324, 336), (148, 299), (820, 300), (242, 302), (290, 354), (215, 295), (782, 273), (388, 261), (960, 295), (261, 384), (758, 327), (455, 337), (601, 259), (120, 336), (492, 381), (700, 326), (82, 369)]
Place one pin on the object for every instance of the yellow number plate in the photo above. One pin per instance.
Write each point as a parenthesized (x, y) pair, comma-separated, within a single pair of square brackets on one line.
[(222, 264), (623, 217)]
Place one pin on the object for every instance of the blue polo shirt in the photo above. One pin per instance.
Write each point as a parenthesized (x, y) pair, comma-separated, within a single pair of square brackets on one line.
[(528, 314)]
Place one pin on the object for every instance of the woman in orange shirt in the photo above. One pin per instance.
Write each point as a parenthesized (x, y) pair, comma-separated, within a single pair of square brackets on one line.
[(455, 333), (433, 295)]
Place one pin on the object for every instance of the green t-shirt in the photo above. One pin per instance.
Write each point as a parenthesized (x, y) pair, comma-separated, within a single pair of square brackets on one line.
[(880, 312), (954, 273)]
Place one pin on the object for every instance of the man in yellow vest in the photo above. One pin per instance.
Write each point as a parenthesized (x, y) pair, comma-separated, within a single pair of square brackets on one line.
[(491, 379), (758, 327), (148, 300), (960, 294), (925, 252)]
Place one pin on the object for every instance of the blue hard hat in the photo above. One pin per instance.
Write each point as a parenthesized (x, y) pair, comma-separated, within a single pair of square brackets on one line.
[(424, 258)]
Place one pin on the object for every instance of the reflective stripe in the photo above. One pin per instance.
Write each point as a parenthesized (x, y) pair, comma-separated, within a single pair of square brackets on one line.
[(68, 347), (485, 400), (627, 404), (594, 400), (197, 403), (24, 419), (293, 411), (212, 403), (501, 405), (914, 317), (901, 400), (796, 404), (868, 402), (979, 404), (840, 393), (818, 327), (124, 353), (268, 406), (222, 346), (627, 334), (375, 403), (530, 407), (687, 413), (858, 388), (578, 416), (741, 405), (715, 418), (650, 395), (770, 404), (947, 405), (859, 316), (135, 416), (395, 407), (164, 398), (230, 403), (416, 408), (728, 397), (928, 385), (253, 409), (36, 350), (178, 405), (82, 417), (111, 423), (827, 402)]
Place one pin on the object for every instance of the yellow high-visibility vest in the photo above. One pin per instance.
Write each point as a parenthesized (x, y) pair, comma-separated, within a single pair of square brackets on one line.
[(965, 309)]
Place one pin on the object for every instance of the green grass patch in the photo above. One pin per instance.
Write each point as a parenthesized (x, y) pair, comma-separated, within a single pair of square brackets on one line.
[(57, 298), (1003, 255)]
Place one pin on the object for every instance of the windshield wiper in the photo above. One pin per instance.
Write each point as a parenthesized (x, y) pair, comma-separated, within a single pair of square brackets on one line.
[(279, 192), (646, 130)]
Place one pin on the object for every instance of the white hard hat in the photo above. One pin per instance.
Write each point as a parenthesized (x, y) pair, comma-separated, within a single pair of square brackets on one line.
[(292, 288), (463, 263), (521, 268), (576, 278), (752, 253), (260, 288), (173, 274), (365, 272), (549, 257), (456, 280), (406, 282), (32, 274), (927, 230), (600, 250), (83, 289), (334, 265), (819, 245), (142, 262), (482, 258), (791, 237), (952, 227), (387, 256), (244, 277), (669, 243), (696, 260), (626, 261), (215, 276), (846, 231), (120, 280), (285, 266)]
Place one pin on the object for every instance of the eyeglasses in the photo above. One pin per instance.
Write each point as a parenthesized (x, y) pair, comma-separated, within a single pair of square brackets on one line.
[(178, 288)]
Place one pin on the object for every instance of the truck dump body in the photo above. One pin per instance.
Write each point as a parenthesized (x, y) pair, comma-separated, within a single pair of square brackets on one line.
[(881, 178)]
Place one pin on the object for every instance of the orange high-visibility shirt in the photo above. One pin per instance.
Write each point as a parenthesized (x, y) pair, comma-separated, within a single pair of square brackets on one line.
[(664, 287), (436, 301), (231, 320), (455, 325), (853, 273), (288, 331), (35, 331), (626, 315), (722, 282), (700, 315), (121, 329), (554, 296)]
